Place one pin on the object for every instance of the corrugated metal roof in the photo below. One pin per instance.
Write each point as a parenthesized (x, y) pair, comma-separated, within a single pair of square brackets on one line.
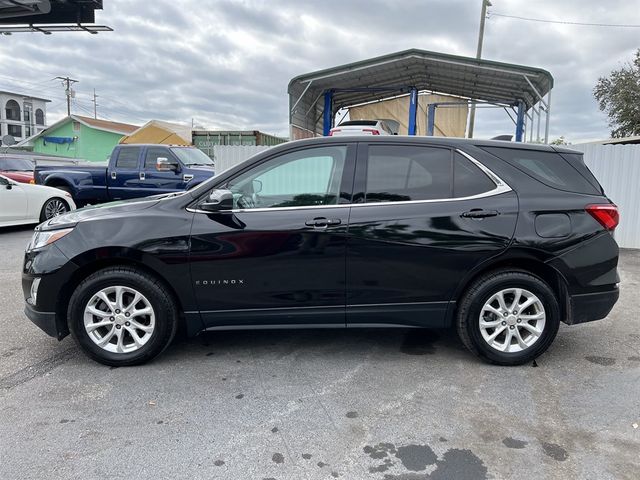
[(482, 80)]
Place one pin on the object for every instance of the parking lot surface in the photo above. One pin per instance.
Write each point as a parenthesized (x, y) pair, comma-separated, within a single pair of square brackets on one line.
[(313, 404)]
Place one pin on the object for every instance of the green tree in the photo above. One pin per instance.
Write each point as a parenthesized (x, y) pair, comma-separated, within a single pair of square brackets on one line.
[(559, 141), (619, 96)]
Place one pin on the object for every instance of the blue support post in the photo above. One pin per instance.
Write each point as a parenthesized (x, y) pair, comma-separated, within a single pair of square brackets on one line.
[(431, 119), (327, 115), (413, 110), (520, 121)]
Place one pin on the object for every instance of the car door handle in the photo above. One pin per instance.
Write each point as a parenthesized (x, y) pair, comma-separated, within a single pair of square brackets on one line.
[(113, 175), (480, 213), (142, 176), (322, 222)]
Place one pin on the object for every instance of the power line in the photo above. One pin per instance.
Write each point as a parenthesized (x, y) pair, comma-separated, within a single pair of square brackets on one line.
[(564, 22), (88, 110)]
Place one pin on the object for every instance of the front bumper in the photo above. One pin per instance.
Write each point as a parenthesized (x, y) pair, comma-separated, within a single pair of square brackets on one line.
[(588, 307), (45, 320), (54, 270)]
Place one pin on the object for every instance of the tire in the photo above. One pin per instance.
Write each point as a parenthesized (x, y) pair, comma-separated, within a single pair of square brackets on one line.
[(52, 208), (157, 326), (515, 344)]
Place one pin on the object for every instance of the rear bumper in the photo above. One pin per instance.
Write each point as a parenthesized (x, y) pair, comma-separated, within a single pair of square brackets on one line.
[(588, 307)]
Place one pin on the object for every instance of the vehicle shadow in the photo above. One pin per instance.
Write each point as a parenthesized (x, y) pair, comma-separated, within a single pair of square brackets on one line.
[(19, 228), (356, 341)]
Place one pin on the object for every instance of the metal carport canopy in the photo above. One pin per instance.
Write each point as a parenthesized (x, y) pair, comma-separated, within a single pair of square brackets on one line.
[(402, 72)]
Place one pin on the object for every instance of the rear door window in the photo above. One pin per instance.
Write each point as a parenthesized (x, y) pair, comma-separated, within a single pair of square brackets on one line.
[(549, 168), (468, 179), (397, 173), (128, 158)]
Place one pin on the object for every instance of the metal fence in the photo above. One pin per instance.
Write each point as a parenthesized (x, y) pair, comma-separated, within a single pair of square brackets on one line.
[(617, 167)]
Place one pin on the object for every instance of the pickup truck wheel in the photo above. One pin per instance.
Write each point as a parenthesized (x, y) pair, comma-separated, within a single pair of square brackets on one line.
[(120, 316), (52, 208), (508, 317)]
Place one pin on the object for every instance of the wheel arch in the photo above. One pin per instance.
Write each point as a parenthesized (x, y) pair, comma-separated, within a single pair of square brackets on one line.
[(523, 261), (56, 182), (89, 267)]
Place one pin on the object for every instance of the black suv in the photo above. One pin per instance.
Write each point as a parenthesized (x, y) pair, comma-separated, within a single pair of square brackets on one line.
[(502, 240)]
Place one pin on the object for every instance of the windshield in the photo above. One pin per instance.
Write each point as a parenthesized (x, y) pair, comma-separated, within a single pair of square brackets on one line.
[(192, 156), (16, 165)]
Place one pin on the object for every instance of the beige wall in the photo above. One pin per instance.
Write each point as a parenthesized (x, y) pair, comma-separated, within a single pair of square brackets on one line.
[(451, 121)]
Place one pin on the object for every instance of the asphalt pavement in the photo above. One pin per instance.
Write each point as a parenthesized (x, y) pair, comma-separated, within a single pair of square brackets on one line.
[(320, 404)]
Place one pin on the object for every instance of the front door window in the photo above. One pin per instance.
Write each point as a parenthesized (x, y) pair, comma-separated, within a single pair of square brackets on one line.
[(309, 177)]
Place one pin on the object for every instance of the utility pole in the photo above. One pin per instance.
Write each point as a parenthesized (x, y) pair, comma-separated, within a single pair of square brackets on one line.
[(67, 82), (95, 104), (483, 16)]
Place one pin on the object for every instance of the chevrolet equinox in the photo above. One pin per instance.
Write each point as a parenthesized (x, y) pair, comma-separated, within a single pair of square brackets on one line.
[(501, 240)]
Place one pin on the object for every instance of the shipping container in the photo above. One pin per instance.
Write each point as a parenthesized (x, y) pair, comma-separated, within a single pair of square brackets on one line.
[(205, 140)]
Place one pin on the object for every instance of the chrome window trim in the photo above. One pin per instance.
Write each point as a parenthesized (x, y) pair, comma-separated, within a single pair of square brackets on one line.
[(501, 187)]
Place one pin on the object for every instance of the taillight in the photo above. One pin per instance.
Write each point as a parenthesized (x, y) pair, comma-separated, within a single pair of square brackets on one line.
[(606, 214), (371, 131)]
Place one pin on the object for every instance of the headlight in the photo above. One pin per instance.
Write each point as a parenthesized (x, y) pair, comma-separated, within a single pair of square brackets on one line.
[(42, 239)]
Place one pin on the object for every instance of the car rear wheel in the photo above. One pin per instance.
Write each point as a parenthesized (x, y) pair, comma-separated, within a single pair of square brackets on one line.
[(52, 208), (120, 316), (508, 317)]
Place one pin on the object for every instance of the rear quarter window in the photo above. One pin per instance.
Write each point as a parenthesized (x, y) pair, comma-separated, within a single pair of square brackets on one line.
[(549, 168)]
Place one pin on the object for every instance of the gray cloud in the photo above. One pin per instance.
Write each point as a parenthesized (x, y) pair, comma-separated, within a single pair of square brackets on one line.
[(227, 63)]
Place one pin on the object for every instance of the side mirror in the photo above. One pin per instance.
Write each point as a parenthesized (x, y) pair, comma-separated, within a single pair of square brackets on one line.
[(163, 164), (9, 186), (218, 200), (256, 185)]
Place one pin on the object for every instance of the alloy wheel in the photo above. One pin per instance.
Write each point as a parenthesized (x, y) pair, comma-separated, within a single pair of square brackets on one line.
[(119, 319), (512, 320), (54, 208)]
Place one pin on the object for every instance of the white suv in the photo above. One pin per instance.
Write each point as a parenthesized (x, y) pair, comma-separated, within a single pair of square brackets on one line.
[(361, 127)]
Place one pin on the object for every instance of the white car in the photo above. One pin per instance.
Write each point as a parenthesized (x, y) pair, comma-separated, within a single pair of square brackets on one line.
[(23, 203), (361, 127)]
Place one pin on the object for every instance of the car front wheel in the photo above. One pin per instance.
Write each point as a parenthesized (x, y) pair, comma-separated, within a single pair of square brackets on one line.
[(52, 208), (120, 316), (508, 317)]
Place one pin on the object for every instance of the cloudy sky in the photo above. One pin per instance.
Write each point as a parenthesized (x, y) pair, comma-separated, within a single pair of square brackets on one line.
[(227, 63)]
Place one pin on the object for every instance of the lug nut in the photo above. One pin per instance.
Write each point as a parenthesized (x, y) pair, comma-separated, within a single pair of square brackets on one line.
[(120, 326), (519, 320), (506, 314), (127, 323), (515, 312), (111, 319), (117, 311), (504, 323), (511, 327)]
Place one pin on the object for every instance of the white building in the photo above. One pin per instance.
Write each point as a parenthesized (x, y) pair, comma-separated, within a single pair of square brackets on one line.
[(22, 115)]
